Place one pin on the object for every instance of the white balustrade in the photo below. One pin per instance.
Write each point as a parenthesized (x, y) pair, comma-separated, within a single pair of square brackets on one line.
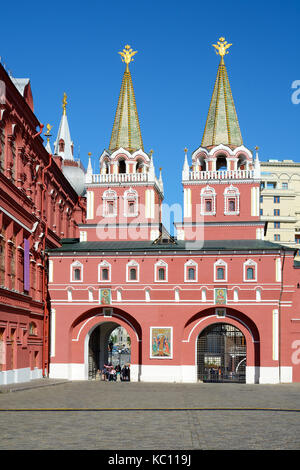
[(220, 175)]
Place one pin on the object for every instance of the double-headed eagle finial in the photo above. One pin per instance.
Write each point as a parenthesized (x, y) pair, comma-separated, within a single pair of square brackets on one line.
[(221, 47), (127, 55)]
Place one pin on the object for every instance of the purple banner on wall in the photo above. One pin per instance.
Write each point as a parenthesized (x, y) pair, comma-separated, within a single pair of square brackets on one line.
[(26, 265)]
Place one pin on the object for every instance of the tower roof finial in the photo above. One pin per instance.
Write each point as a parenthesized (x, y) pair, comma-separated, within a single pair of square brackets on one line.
[(64, 103), (127, 55), (126, 131), (221, 47)]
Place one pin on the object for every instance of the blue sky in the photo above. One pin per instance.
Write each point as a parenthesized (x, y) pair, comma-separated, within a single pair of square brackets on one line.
[(73, 47)]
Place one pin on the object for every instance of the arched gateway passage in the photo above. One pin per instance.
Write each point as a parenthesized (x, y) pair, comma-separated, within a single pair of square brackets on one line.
[(109, 343), (221, 354)]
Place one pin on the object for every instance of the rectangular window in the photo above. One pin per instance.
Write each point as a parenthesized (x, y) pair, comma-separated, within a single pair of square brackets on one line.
[(77, 274), (191, 274), (285, 185), (220, 273), (276, 237), (271, 185), (276, 199), (132, 274), (276, 224), (261, 211), (276, 212), (161, 274)]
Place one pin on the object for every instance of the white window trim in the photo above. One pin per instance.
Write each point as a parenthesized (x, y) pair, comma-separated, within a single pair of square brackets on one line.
[(208, 193), (76, 264), (160, 264), (109, 196), (132, 264), (220, 264), (187, 265), (104, 264), (230, 193), (250, 264), (131, 195)]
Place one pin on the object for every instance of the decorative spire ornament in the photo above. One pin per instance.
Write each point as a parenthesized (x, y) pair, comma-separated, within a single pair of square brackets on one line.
[(127, 55), (221, 47), (64, 104)]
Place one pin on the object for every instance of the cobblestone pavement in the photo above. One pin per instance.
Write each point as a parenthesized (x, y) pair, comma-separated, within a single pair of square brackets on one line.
[(103, 415)]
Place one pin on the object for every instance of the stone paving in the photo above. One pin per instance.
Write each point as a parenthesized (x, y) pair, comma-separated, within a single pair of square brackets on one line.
[(92, 415)]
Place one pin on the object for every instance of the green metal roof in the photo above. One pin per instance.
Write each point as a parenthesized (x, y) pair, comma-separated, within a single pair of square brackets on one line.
[(74, 245)]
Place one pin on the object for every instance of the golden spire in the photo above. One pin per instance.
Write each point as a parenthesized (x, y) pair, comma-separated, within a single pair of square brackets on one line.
[(127, 55), (221, 47), (47, 134), (64, 103)]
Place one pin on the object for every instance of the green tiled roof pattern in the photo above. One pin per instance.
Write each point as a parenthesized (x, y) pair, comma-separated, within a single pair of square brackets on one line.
[(126, 131), (222, 126)]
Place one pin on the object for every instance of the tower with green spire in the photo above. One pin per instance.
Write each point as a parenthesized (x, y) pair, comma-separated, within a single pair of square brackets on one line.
[(222, 125), (126, 131), (221, 188), (124, 199)]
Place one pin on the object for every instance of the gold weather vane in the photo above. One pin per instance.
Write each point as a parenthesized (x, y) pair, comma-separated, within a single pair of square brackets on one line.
[(47, 134), (221, 47), (64, 103), (127, 55)]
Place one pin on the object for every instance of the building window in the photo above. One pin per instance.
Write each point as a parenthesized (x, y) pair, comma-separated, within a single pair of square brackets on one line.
[(32, 329), (220, 271), (261, 212), (76, 272), (161, 274), (104, 272), (250, 270), (130, 203), (231, 201), (271, 185), (285, 185), (276, 199), (190, 271), (61, 145), (161, 271), (132, 274), (277, 237), (250, 274), (109, 203), (208, 201), (276, 212), (276, 224)]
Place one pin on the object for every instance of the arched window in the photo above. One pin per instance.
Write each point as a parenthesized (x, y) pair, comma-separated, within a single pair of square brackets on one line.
[(190, 271), (122, 166), (221, 163), (130, 203), (208, 201), (250, 271), (161, 271), (109, 203), (61, 145), (220, 271), (76, 272), (32, 328), (104, 272), (161, 274), (132, 274), (231, 201)]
